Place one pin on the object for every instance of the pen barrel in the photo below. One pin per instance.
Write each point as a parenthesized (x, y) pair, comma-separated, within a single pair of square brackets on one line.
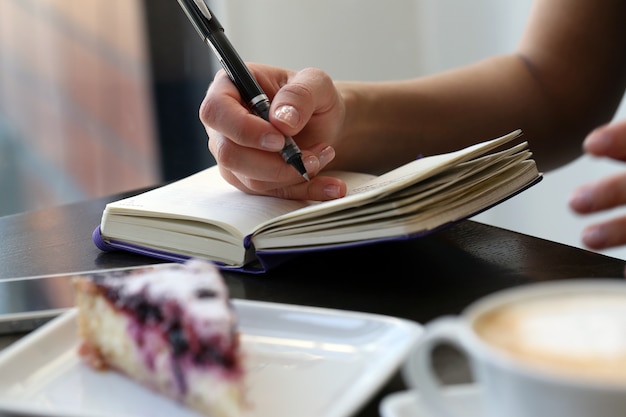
[(234, 66), (292, 154), (261, 107)]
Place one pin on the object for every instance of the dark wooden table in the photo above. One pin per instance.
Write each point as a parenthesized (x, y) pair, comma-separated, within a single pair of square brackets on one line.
[(419, 279)]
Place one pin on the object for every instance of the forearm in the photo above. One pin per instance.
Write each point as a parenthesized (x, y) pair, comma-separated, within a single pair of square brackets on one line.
[(391, 123), (564, 79)]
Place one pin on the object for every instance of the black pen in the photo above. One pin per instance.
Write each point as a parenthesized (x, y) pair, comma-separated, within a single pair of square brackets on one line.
[(212, 33)]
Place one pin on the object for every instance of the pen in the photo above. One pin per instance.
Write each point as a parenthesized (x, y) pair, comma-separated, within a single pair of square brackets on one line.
[(212, 33)]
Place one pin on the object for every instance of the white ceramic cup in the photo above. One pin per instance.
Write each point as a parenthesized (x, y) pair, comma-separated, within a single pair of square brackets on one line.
[(555, 349)]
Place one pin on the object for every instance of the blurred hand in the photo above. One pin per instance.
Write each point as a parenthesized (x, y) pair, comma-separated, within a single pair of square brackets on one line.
[(606, 141), (305, 105)]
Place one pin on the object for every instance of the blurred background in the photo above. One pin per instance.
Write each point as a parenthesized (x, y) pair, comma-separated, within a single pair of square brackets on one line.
[(97, 97), (102, 96)]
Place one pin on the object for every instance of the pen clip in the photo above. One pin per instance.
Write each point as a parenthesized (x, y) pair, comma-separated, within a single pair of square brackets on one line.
[(210, 29), (199, 14), (204, 9)]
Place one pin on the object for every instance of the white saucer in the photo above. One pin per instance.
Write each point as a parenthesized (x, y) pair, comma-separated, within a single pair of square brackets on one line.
[(465, 398)]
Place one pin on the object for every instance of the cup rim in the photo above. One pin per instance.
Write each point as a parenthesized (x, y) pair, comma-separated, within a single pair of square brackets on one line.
[(500, 358)]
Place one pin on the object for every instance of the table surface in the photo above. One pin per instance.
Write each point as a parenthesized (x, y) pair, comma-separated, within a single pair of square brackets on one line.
[(418, 279)]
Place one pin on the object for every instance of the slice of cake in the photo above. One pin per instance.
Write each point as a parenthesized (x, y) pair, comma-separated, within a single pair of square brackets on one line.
[(172, 328)]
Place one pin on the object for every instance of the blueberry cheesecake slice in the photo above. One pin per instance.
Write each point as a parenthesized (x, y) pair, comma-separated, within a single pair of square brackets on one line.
[(170, 328)]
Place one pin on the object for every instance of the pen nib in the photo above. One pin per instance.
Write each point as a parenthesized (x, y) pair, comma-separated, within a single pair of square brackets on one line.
[(295, 160)]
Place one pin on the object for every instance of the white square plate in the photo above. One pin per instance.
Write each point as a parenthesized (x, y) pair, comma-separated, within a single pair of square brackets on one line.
[(300, 361)]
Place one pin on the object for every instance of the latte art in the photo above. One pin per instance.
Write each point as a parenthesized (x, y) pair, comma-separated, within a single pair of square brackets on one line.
[(577, 334)]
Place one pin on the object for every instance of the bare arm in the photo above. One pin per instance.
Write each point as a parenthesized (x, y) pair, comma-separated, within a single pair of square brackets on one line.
[(566, 77)]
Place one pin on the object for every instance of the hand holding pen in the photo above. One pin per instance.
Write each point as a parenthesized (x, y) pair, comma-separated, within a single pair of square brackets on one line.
[(244, 148), (212, 32)]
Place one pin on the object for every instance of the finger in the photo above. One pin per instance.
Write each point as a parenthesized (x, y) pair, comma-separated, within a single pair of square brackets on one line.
[(308, 92), (608, 140), (602, 195), (262, 166), (320, 188), (222, 110), (268, 169), (605, 234)]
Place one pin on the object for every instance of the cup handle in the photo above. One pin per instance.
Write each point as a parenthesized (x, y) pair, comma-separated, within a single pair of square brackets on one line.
[(418, 370)]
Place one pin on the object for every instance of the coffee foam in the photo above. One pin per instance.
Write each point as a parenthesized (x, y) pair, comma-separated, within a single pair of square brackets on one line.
[(577, 334)]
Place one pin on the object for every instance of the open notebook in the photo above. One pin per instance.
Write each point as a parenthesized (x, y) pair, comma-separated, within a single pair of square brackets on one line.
[(204, 216)]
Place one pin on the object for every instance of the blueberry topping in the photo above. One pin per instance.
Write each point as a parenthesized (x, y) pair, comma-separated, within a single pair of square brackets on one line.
[(143, 310), (209, 354), (205, 293), (177, 339), (111, 294)]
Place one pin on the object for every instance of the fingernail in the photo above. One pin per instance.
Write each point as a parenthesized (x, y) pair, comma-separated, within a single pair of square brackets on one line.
[(332, 191), (594, 237), (272, 141), (327, 155), (312, 164), (287, 114), (582, 200)]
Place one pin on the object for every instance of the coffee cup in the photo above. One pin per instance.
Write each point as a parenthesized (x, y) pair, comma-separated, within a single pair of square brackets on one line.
[(548, 349)]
